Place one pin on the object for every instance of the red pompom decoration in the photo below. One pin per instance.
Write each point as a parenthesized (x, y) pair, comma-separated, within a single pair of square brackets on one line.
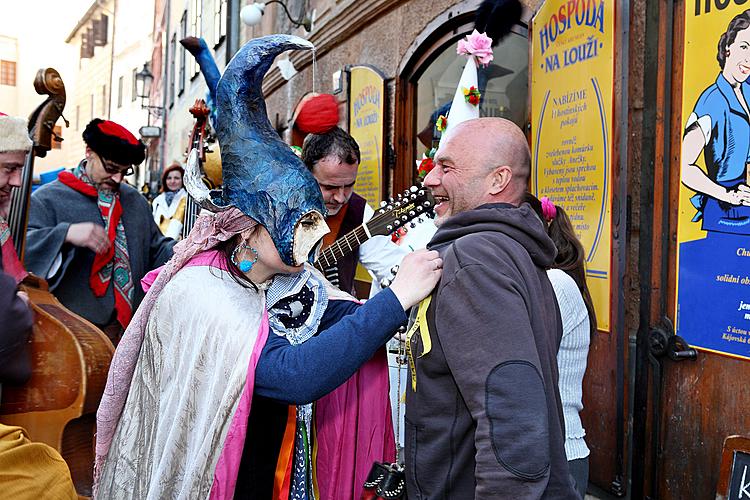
[(317, 114)]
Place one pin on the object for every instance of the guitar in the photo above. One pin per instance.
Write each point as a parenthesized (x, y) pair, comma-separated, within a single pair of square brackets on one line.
[(393, 214)]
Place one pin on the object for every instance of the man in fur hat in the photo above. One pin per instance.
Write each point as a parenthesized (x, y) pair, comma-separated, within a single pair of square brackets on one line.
[(19, 455), (91, 236)]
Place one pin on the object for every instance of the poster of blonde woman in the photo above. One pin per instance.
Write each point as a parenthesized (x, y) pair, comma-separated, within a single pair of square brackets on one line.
[(713, 284)]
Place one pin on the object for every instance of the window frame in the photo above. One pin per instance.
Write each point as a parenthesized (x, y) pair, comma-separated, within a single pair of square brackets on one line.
[(442, 32), (220, 22), (8, 68), (183, 53)]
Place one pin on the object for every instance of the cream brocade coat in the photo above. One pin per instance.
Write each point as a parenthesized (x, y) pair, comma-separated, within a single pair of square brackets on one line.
[(187, 384)]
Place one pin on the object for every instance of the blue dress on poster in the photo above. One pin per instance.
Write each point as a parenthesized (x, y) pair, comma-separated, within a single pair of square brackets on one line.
[(725, 127)]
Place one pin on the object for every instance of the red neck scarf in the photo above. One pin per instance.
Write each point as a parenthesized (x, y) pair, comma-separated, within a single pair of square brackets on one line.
[(116, 260), (11, 264)]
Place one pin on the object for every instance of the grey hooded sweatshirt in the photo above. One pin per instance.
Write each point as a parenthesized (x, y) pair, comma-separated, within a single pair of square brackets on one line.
[(485, 420)]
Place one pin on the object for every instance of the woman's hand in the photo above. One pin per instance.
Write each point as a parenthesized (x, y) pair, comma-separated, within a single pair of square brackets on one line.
[(737, 196), (417, 275)]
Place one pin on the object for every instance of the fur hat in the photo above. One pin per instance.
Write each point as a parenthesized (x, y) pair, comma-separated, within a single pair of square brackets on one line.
[(14, 134), (114, 142)]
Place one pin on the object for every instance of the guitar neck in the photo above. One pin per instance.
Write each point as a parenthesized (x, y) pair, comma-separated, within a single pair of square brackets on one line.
[(342, 247)]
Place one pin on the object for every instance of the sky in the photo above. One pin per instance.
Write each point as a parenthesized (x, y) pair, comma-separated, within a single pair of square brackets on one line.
[(54, 18)]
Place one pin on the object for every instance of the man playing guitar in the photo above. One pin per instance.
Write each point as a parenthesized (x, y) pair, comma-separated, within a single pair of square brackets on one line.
[(333, 158)]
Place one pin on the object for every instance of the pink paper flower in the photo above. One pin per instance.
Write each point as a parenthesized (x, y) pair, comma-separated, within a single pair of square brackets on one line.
[(478, 45)]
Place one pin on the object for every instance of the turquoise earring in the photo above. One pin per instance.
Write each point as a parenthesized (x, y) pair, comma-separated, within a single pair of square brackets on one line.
[(244, 265)]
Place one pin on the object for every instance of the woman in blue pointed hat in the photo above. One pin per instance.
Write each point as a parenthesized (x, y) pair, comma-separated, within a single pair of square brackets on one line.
[(236, 321)]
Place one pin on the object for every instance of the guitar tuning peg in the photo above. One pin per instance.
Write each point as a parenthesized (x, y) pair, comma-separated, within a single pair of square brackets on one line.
[(413, 197), (390, 200), (399, 196), (412, 213), (389, 207), (413, 189), (383, 203), (419, 209), (396, 223), (389, 228), (404, 218), (427, 204)]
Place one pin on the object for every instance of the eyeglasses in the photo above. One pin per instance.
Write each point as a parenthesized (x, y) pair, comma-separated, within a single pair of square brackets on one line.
[(114, 168)]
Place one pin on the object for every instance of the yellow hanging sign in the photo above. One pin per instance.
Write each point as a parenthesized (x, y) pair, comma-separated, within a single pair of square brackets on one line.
[(572, 81)]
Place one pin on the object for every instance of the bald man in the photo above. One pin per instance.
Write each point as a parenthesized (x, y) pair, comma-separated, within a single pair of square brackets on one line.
[(483, 413)]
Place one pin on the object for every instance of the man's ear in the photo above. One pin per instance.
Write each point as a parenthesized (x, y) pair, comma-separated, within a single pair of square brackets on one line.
[(500, 178)]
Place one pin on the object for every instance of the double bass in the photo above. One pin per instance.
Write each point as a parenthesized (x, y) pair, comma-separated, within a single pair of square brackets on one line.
[(70, 356), (210, 162)]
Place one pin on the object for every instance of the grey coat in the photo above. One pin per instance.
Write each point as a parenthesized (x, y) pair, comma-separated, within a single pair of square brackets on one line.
[(485, 421), (54, 207)]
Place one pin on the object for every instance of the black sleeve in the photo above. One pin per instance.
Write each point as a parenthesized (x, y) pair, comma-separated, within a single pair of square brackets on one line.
[(15, 329), (349, 336)]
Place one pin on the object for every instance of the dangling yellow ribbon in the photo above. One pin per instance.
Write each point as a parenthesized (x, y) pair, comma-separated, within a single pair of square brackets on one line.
[(424, 333)]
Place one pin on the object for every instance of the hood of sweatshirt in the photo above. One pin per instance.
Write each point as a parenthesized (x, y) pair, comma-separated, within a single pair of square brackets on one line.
[(519, 223)]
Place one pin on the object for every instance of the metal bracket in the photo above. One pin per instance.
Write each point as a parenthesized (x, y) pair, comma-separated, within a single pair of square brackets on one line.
[(663, 341)]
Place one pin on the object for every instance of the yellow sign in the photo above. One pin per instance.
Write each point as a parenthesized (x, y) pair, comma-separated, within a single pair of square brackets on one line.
[(713, 228), (572, 75), (366, 113)]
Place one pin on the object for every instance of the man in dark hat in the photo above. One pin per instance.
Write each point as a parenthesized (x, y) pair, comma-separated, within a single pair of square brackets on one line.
[(91, 236)]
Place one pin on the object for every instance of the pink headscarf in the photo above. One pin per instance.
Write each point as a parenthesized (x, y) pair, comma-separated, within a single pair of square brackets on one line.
[(209, 231)]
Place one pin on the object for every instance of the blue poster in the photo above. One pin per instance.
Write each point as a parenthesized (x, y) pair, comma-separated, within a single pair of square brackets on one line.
[(713, 234)]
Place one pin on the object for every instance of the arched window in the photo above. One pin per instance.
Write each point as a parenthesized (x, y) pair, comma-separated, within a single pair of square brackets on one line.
[(429, 75)]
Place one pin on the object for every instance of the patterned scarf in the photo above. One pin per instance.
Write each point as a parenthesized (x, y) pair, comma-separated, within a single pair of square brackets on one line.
[(116, 261), (10, 263)]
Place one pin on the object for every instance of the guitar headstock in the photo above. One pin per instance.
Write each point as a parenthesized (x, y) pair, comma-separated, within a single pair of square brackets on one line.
[(393, 214)]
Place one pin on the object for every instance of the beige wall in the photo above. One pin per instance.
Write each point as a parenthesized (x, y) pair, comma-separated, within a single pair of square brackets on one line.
[(35, 52), (132, 49), (179, 120), (93, 79), (9, 94)]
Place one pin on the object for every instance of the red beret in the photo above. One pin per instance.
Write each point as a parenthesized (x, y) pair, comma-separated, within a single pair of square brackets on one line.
[(317, 114), (114, 142)]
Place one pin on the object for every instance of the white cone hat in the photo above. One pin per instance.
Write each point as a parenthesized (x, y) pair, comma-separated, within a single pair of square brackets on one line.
[(461, 110)]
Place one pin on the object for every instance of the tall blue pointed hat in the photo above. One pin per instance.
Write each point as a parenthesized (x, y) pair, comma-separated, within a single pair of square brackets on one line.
[(262, 176), (202, 54)]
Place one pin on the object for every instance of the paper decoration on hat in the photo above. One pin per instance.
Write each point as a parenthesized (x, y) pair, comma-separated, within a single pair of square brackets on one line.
[(477, 47), (14, 134)]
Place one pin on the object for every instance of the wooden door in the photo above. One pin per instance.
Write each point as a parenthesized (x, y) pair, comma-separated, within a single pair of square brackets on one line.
[(694, 402)]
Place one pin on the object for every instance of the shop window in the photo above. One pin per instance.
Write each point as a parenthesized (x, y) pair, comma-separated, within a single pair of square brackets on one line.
[(429, 75), (503, 84)]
